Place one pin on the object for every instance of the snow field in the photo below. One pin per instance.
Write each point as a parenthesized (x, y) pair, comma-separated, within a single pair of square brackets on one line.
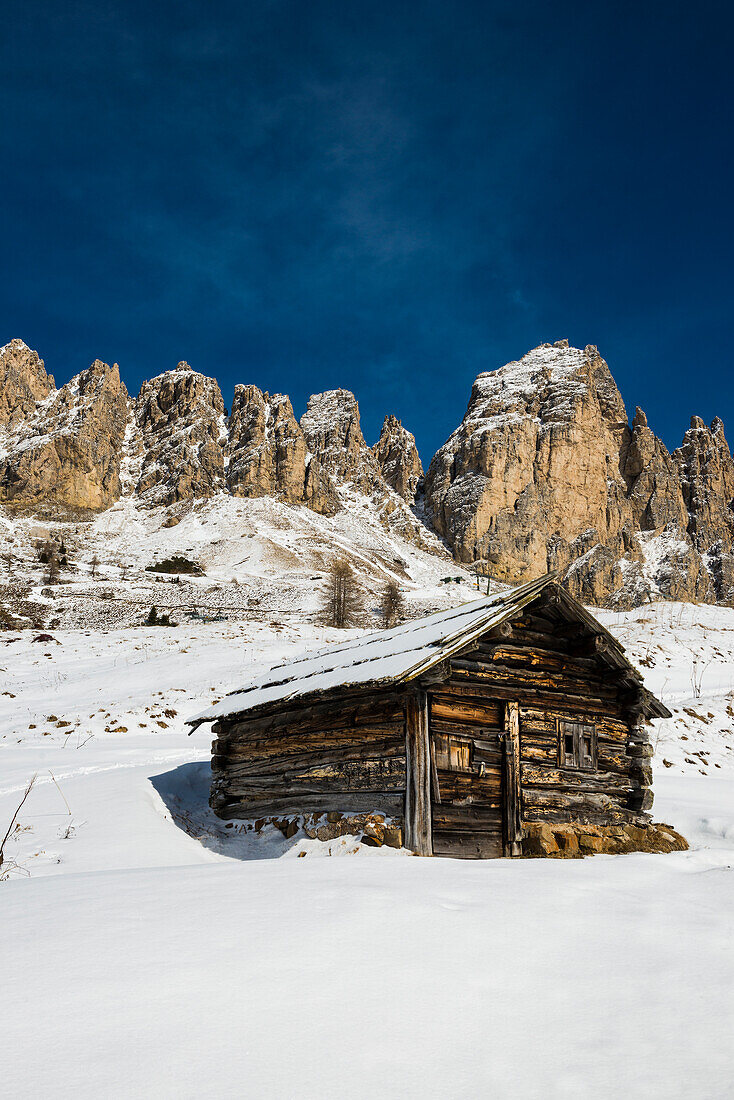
[(147, 950)]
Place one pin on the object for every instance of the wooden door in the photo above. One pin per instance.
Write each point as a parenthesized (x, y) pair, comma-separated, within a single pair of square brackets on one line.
[(466, 788)]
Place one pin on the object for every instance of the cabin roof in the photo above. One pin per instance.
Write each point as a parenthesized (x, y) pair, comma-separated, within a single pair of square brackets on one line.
[(405, 652)]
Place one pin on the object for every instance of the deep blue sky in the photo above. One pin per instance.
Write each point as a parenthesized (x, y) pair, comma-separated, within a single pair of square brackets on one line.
[(384, 196)]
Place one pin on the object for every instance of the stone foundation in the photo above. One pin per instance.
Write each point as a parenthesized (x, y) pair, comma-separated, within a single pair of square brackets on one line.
[(372, 829), (576, 841)]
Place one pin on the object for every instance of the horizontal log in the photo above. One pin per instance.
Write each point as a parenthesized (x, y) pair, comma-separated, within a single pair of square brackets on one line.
[(484, 712), (536, 722), (465, 729), (553, 816), (386, 775), (331, 743), (473, 815), (345, 708), (536, 798), (500, 673), (295, 763), (345, 802), (542, 658), (590, 705), (573, 779)]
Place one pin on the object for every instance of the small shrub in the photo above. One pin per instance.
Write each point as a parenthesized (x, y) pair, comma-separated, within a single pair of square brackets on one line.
[(154, 619), (176, 564)]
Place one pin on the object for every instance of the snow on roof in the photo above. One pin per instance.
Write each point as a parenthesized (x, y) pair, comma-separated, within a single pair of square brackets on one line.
[(389, 656)]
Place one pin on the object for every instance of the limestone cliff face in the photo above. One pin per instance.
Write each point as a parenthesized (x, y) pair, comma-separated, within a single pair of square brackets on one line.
[(397, 458), (545, 473), (536, 456), (707, 480), (266, 447), (23, 383), (182, 421), (333, 435), (341, 465), (67, 452)]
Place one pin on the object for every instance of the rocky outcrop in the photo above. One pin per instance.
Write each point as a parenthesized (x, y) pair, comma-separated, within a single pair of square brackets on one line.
[(707, 480), (67, 455), (23, 383), (182, 421), (334, 437), (536, 458), (653, 484), (266, 448), (397, 458), (546, 473)]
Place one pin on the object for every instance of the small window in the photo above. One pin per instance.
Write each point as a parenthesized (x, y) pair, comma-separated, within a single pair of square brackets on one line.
[(576, 745), (453, 754)]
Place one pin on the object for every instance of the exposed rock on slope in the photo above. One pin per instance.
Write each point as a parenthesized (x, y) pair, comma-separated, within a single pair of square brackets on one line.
[(182, 419), (545, 472), (707, 480), (68, 452), (23, 383), (397, 458), (267, 451), (341, 464)]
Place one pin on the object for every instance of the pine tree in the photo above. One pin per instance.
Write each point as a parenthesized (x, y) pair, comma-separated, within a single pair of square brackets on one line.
[(152, 619), (343, 600), (392, 604)]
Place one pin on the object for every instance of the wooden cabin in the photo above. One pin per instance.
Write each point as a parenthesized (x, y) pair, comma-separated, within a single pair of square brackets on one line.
[(472, 728)]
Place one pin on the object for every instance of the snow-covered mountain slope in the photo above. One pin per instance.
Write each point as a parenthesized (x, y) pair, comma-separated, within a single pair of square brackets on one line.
[(133, 919), (259, 557)]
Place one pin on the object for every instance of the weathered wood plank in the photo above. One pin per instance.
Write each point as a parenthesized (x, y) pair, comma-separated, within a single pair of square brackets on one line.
[(476, 815), (280, 754), (418, 832), (446, 708), (511, 785), (387, 802), (461, 845), (536, 798), (572, 779)]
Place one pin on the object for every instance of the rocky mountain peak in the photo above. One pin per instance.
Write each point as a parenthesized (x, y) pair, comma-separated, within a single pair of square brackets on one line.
[(545, 472), (267, 450), (23, 382), (67, 453), (334, 437), (706, 471), (397, 458), (536, 457), (181, 418)]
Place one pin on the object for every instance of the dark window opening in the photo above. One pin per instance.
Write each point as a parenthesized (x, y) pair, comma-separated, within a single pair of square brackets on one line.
[(577, 745)]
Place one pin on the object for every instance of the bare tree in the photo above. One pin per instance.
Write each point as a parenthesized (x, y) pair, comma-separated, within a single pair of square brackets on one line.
[(13, 819), (343, 600), (94, 566), (52, 570), (392, 604)]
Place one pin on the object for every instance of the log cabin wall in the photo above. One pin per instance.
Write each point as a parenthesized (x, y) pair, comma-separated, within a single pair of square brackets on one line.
[(345, 754), (550, 667)]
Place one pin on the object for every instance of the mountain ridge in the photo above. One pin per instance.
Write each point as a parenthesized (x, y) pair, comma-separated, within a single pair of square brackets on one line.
[(545, 471)]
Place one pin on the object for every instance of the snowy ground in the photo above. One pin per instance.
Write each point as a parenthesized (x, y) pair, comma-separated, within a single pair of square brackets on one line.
[(147, 950)]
